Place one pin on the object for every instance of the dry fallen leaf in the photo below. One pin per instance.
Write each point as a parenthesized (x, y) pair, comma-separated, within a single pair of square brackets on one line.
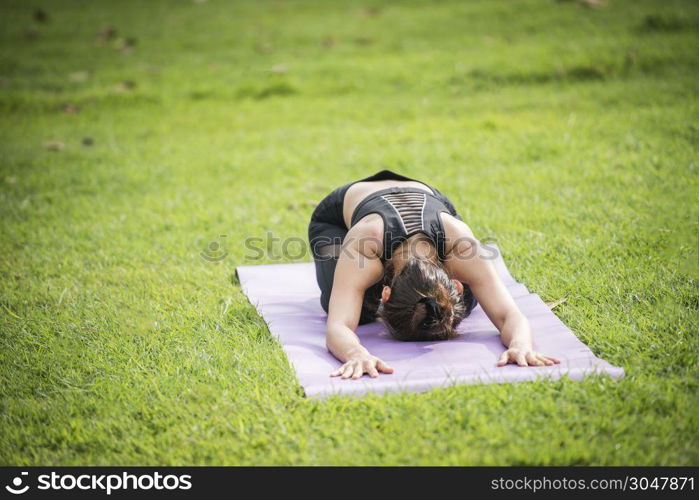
[(556, 303), (53, 145), (596, 4), (125, 86), (108, 33), (279, 69), (370, 12), (70, 109), (79, 76)]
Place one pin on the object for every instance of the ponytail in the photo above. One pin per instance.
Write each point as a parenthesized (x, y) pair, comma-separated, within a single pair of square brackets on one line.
[(424, 303)]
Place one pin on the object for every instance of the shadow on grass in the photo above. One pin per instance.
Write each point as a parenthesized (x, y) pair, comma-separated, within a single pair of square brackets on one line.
[(632, 63), (658, 23)]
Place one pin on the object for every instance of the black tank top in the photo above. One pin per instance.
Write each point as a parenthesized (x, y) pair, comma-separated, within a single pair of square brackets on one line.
[(406, 211)]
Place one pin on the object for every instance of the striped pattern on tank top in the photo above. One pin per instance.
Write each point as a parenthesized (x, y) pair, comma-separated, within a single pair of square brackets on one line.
[(410, 208)]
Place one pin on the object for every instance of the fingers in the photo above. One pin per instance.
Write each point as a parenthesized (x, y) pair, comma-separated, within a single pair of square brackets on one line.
[(530, 358), (338, 371), (545, 359), (542, 359), (383, 367), (533, 360), (348, 370), (356, 368)]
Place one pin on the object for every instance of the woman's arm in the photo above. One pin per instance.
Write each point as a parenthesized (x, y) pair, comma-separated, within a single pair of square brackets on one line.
[(468, 262), (357, 269)]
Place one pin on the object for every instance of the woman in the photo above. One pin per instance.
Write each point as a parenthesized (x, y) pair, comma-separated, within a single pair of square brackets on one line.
[(391, 247)]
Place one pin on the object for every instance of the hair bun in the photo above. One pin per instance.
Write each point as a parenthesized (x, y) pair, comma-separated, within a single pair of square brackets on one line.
[(433, 310)]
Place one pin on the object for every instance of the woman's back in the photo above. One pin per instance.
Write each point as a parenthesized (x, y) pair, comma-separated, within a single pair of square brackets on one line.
[(391, 209), (358, 191)]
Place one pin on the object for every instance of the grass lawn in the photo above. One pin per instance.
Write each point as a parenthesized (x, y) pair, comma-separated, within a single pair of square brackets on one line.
[(567, 133)]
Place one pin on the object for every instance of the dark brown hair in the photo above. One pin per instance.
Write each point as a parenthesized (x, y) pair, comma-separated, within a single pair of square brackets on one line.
[(424, 303)]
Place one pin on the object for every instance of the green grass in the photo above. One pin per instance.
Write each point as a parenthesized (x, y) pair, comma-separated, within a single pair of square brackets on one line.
[(569, 134)]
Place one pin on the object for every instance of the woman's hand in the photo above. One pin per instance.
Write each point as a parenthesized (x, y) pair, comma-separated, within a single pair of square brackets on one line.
[(360, 364), (526, 357)]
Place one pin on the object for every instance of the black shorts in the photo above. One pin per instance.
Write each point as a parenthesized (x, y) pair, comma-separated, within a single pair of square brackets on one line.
[(327, 231)]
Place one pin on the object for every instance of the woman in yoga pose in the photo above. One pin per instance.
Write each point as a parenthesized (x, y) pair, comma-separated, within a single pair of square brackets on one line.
[(394, 248)]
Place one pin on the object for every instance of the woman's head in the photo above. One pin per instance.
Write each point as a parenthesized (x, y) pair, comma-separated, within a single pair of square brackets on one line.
[(421, 302)]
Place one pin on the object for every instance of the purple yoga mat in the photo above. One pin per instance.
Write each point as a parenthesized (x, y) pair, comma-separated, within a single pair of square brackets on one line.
[(287, 297)]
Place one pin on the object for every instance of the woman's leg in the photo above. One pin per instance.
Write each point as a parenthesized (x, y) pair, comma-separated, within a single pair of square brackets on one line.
[(326, 232), (326, 243)]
